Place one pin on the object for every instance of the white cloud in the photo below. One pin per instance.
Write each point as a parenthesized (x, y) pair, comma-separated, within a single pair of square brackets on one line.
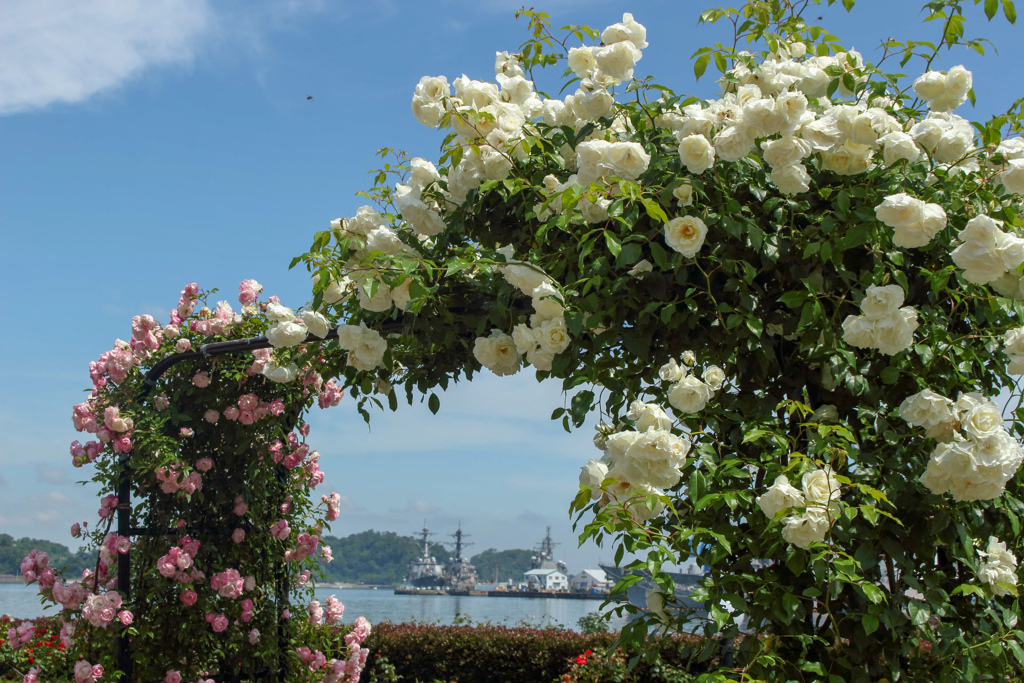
[(49, 475), (65, 51)]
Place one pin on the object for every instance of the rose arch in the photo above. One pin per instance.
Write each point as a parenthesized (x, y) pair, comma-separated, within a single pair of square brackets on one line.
[(791, 305)]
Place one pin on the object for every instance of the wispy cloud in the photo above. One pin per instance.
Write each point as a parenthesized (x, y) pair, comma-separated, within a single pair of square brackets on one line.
[(50, 476), (66, 51)]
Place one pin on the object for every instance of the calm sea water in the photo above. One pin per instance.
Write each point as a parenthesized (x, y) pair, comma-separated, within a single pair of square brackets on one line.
[(22, 601)]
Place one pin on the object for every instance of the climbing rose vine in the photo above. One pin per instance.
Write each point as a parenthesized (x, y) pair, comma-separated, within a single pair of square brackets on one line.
[(792, 303)]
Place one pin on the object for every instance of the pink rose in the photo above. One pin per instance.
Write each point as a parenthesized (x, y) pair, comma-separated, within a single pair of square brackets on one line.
[(211, 416), (182, 345), (172, 677), (238, 535), (246, 417), (76, 530), (231, 413), (204, 464), (188, 597), (125, 617), (201, 379), (219, 623)]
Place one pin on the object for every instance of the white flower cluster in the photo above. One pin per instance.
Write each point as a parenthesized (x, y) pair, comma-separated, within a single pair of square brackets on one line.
[(370, 233), (977, 457), (600, 159), (545, 335), (592, 207), (988, 255), (820, 498), (642, 461), (1012, 176), (365, 347), (1013, 344), (686, 234), (944, 91), (290, 329), (998, 567), (914, 221), (885, 325), (689, 394), (423, 217)]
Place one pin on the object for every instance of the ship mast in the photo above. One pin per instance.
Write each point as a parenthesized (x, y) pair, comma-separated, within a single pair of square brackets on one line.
[(426, 540)]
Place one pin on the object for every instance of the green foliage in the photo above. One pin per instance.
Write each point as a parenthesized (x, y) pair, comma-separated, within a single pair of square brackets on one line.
[(511, 564)]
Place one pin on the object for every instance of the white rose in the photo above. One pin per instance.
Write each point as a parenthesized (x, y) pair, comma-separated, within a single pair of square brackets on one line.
[(684, 193), (785, 151), (640, 268), (279, 313), (547, 302), (655, 601), (733, 143), (900, 209), (696, 153), (400, 295), (714, 376), (761, 115), (525, 338), (594, 104), (780, 495), (953, 144), (1012, 178), (627, 159), (283, 335), (540, 358), (927, 409), (882, 301), (592, 474), (822, 134), (919, 234), (368, 352), (983, 420), (791, 179), (648, 416), (316, 323), (279, 374), (930, 85), (959, 82), (859, 331), (688, 358), (820, 486), (848, 159), (897, 146), (1013, 341), (554, 336), (689, 395), (634, 498), (497, 353), (895, 333), (686, 235), (617, 60), (427, 101), (672, 372), (626, 30), (422, 173), (999, 566), (806, 529), (791, 106), (581, 61), (337, 290), (381, 299)]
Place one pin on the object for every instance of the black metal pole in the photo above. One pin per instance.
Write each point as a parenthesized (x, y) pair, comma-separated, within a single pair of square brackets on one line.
[(124, 566)]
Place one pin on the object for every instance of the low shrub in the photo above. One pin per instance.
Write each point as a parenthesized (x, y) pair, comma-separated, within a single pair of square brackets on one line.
[(483, 654)]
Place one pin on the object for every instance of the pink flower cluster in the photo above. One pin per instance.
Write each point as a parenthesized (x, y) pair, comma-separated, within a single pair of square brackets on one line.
[(306, 546), (333, 506), (112, 429), (247, 609), (70, 596), (87, 673), (177, 560), (35, 565), (248, 292), (107, 506), (330, 395), (172, 481), (250, 409), (172, 676), (114, 364), (147, 332), (186, 303), (280, 530), (101, 608), (32, 676), (347, 670), (218, 622), (21, 635), (314, 659), (220, 324), (228, 584), (332, 615)]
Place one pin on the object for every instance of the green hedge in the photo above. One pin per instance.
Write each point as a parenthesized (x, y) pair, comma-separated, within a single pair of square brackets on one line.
[(485, 654)]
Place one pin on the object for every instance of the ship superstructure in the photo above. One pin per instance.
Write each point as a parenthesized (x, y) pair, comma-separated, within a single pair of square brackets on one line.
[(544, 556), (424, 571), (458, 572)]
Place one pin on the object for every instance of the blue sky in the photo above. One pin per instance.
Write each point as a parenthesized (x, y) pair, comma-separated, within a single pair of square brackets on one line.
[(148, 143)]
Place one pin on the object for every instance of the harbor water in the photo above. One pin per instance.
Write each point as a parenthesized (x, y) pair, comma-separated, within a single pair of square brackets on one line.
[(20, 601)]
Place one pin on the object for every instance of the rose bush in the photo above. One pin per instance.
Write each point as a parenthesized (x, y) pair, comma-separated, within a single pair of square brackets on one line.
[(224, 528), (812, 276)]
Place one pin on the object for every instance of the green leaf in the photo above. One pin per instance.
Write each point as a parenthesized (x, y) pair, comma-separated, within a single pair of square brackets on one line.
[(1017, 650), (1009, 11), (614, 245), (872, 592), (720, 62), (701, 65), (434, 403), (580, 406), (793, 299), (991, 7), (848, 4), (870, 623)]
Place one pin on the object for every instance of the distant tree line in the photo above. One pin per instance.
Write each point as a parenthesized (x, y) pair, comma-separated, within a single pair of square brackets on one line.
[(369, 557)]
